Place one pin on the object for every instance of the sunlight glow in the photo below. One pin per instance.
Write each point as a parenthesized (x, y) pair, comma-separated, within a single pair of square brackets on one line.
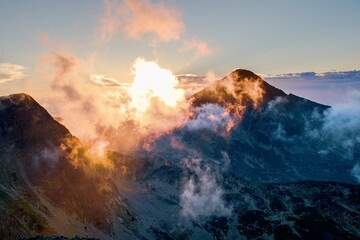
[(152, 81)]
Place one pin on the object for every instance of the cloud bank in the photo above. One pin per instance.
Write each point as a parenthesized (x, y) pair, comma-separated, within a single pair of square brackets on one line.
[(342, 126), (336, 75), (326, 88)]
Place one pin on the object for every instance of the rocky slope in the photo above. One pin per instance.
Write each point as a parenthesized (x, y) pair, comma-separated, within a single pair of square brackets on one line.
[(41, 187)]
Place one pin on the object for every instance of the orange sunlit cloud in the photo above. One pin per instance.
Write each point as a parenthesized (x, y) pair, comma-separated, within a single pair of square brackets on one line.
[(139, 18), (152, 104), (109, 21), (201, 48)]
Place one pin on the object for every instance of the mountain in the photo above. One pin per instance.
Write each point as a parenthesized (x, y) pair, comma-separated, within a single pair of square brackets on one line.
[(242, 167), (240, 87), (273, 136), (41, 188)]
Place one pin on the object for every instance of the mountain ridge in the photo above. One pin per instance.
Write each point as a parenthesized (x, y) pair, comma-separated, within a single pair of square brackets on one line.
[(237, 76)]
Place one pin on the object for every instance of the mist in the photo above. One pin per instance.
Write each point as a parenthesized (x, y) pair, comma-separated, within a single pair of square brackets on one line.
[(202, 194)]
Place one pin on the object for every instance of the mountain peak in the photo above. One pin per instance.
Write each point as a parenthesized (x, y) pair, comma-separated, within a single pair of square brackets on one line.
[(15, 99), (237, 91), (240, 74), (20, 114), (17, 95)]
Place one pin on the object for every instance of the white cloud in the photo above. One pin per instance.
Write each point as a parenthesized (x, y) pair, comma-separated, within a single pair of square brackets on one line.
[(202, 196), (212, 117), (101, 80), (10, 72)]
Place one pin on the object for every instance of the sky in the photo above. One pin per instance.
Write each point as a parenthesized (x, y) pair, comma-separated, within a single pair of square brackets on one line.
[(118, 73), (104, 38)]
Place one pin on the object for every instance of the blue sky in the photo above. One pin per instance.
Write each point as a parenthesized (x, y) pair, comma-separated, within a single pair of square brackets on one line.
[(269, 37)]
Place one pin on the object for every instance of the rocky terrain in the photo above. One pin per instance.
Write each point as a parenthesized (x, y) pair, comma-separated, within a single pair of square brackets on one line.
[(250, 163)]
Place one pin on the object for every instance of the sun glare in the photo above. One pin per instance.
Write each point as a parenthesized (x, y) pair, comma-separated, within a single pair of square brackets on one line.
[(152, 81)]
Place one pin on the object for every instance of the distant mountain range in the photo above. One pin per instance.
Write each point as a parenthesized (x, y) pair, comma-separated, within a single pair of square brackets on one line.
[(251, 162)]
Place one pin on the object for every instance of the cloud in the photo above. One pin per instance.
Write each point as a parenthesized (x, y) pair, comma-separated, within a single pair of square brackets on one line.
[(156, 21), (102, 117), (212, 117), (150, 81), (345, 116), (10, 72), (156, 101), (82, 106), (139, 18), (355, 74), (109, 21), (337, 75), (211, 77), (145, 17), (200, 48), (232, 94), (342, 125), (327, 87), (295, 75), (64, 64), (101, 80), (336, 130), (44, 39), (202, 196), (192, 84)]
